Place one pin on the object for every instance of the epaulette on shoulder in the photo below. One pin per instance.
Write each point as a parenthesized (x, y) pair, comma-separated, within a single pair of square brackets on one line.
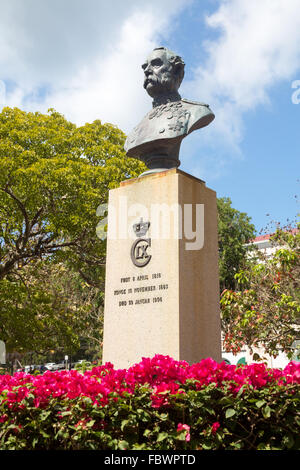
[(194, 102)]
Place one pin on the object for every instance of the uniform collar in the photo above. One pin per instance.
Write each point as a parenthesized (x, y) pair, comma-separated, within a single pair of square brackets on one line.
[(164, 99)]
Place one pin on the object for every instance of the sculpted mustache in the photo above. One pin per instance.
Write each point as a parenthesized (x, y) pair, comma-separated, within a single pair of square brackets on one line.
[(155, 81), (150, 80)]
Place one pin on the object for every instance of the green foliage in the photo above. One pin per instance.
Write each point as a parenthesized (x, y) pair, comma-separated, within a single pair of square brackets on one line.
[(83, 366), (53, 177), (46, 307), (214, 419), (235, 230), (266, 311)]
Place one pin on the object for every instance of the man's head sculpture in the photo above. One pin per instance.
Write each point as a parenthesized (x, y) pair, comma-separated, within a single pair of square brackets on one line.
[(164, 72), (156, 139)]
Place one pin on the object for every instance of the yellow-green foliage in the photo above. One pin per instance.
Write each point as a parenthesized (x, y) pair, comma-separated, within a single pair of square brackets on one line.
[(53, 177)]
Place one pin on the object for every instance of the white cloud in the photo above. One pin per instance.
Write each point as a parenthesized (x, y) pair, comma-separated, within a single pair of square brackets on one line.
[(259, 45), (256, 47), (44, 41), (110, 87), (83, 58), (86, 54)]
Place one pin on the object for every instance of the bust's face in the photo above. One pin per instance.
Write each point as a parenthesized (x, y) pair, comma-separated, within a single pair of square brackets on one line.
[(159, 75)]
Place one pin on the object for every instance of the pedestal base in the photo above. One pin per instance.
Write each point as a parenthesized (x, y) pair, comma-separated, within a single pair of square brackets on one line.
[(162, 289)]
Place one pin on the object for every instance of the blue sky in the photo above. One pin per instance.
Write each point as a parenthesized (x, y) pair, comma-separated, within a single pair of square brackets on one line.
[(83, 58)]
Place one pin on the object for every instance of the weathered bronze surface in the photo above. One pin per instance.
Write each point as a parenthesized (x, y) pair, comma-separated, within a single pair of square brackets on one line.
[(157, 138)]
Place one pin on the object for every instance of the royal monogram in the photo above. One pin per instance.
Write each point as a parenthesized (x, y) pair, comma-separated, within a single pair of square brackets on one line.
[(139, 254)]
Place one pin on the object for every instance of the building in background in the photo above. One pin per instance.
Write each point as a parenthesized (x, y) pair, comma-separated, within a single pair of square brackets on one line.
[(268, 248)]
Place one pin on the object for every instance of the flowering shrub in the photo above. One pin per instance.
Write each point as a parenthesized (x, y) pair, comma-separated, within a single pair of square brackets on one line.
[(264, 310), (158, 403)]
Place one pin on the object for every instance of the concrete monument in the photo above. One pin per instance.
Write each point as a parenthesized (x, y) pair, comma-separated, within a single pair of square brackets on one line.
[(162, 286), (156, 139)]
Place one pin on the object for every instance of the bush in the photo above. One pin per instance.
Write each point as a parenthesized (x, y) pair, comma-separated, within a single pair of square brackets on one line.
[(157, 404), (264, 313)]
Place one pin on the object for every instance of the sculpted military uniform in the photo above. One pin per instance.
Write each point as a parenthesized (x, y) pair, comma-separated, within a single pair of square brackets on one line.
[(161, 131)]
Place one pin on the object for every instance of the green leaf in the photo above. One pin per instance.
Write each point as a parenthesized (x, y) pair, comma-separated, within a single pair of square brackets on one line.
[(266, 411), (261, 446), (162, 436), (124, 423), (65, 413), (288, 441), (230, 412), (91, 423), (206, 446), (260, 403), (34, 442), (123, 445), (44, 415), (240, 392)]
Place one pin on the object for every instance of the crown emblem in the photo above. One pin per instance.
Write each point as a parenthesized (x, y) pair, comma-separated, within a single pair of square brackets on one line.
[(140, 229)]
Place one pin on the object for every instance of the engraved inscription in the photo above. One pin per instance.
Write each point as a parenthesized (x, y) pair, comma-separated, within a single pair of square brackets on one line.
[(154, 292)]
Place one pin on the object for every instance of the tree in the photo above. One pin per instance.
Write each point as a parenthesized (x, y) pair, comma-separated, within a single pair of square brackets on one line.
[(53, 177), (46, 306), (234, 231), (265, 312)]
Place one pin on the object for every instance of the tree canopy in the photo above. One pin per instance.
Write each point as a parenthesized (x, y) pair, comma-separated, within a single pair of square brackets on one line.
[(265, 312), (53, 177), (235, 230)]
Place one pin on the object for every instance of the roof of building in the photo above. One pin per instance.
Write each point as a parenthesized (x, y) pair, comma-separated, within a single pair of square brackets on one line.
[(267, 236)]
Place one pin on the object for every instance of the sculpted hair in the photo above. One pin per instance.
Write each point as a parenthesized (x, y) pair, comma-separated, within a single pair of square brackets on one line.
[(176, 61)]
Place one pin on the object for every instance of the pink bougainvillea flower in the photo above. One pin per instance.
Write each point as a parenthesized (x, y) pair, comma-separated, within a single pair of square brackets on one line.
[(81, 424), (215, 426), (3, 418), (160, 396), (164, 375), (184, 427)]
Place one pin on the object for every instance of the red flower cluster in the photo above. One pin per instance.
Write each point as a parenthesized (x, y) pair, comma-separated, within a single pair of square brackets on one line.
[(164, 375), (186, 428), (215, 426)]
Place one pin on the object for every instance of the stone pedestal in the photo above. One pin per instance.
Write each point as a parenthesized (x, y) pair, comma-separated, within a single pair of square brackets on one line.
[(162, 288)]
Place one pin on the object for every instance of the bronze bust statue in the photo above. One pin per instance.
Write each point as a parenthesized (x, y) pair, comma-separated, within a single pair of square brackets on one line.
[(156, 139)]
